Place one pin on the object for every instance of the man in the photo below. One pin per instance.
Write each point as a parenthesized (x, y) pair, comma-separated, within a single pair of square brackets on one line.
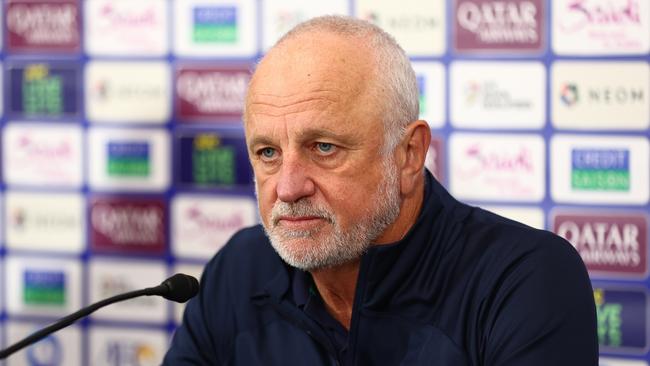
[(363, 258)]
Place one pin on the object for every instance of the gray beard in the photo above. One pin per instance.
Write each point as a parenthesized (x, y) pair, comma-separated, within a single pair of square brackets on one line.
[(305, 250)]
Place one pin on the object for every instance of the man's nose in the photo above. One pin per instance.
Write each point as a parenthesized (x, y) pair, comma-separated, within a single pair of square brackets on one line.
[(294, 181)]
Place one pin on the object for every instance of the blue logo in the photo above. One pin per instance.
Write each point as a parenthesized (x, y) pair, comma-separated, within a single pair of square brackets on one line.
[(600, 169), (44, 287), (422, 80), (128, 159), (215, 24)]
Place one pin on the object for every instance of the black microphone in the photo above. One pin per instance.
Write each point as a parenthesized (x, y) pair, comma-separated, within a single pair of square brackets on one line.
[(179, 287)]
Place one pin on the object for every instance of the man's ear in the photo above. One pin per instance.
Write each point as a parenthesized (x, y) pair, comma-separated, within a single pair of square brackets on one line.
[(414, 147)]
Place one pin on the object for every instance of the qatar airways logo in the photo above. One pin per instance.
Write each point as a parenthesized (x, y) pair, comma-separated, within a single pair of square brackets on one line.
[(612, 244), (489, 25), (43, 25), (211, 92), (121, 225)]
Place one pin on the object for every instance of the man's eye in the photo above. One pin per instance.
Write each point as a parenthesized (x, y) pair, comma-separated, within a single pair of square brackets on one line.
[(324, 147), (267, 152)]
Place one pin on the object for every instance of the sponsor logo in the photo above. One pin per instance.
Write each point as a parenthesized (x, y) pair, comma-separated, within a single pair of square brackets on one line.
[(214, 24), (115, 28), (491, 95), (600, 169), (486, 167), (404, 22), (622, 319), (47, 351), (112, 277), (601, 95), (111, 285), (127, 92), (43, 25), (421, 80), (216, 160), (44, 288), (42, 155), (39, 221), (211, 93), (128, 159), (278, 17), (126, 346), (607, 95), (498, 25), (418, 26), (202, 224), (43, 90), (132, 226), (120, 352), (606, 361), (569, 94), (612, 244), (601, 26), (533, 217), (431, 83)]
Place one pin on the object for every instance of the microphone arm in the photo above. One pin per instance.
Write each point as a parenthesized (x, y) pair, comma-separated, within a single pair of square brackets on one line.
[(179, 287)]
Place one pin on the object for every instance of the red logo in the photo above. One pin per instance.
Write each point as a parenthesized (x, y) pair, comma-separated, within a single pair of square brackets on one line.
[(609, 243), (120, 225), (43, 25)]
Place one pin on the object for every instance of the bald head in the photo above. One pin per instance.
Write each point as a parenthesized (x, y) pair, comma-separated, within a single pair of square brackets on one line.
[(359, 60)]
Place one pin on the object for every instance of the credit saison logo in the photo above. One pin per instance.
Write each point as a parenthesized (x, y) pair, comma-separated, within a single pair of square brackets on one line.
[(212, 162), (215, 24), (600, 169), (622, 319), (128, 159), (42, 287), (613, 243)]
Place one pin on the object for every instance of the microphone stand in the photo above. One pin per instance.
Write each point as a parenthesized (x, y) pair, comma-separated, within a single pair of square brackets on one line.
[(179, 288)]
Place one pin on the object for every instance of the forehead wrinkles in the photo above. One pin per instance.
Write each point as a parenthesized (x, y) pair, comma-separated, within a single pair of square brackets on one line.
[(281, 105)]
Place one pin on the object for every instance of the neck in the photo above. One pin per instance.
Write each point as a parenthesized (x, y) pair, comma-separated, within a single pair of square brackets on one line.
[(337, 285)]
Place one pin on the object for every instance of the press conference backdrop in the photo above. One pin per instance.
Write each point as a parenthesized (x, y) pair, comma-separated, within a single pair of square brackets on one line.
[(123, 158)]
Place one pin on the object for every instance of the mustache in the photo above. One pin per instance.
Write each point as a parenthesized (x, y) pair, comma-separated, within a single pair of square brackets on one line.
[(299, 209)]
